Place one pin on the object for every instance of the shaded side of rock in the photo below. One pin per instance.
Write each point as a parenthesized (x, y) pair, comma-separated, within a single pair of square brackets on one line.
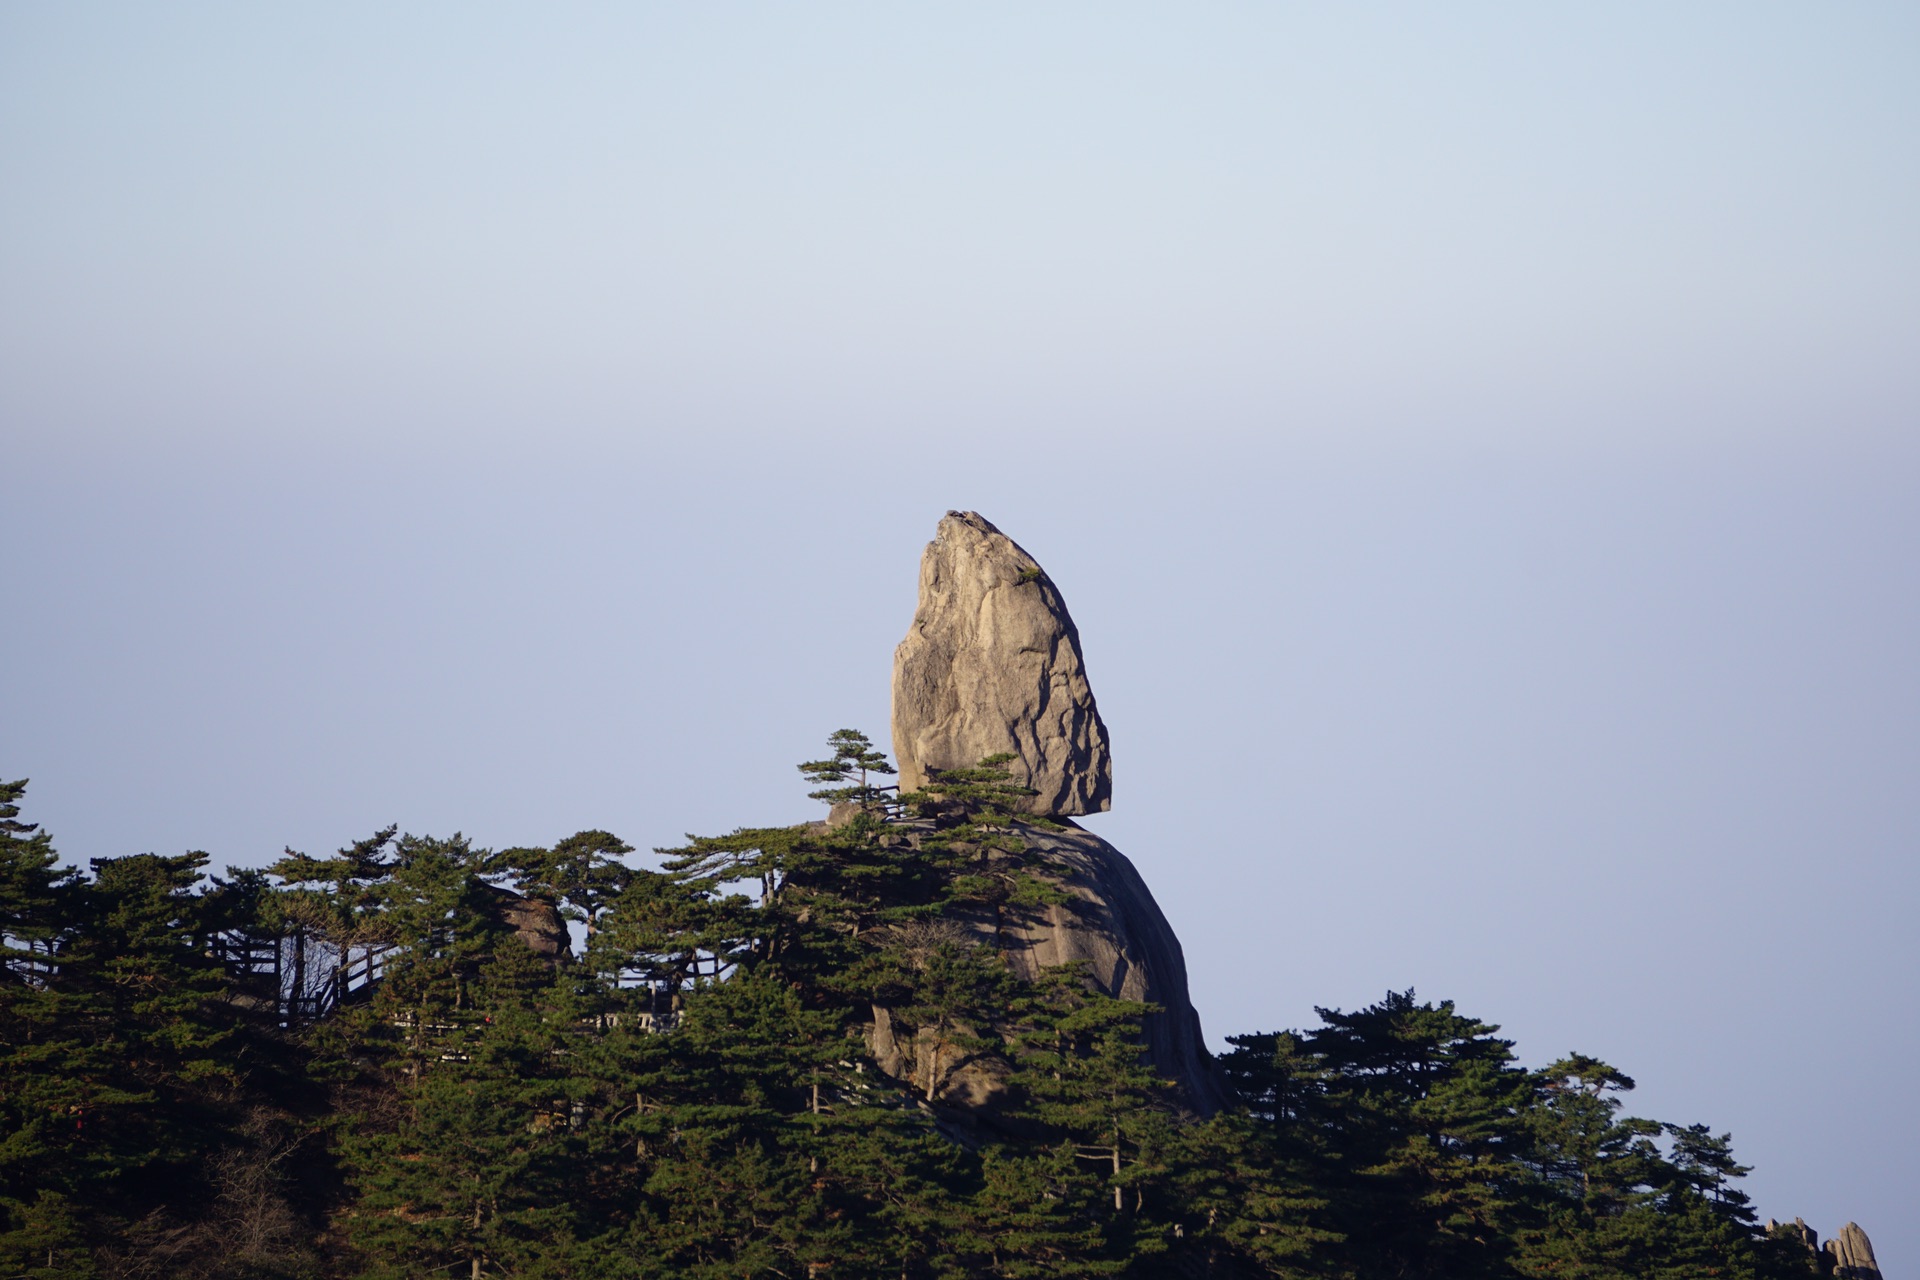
[(1110, 925), (1117, 930), (992, 664), (939, 1068)]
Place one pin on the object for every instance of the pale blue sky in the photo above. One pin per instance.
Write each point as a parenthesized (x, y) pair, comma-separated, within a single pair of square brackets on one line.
[(1479, 448)]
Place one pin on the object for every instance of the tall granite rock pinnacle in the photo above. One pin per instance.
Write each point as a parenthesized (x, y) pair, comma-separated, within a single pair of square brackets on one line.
[(992, 664), (1851, 1255)]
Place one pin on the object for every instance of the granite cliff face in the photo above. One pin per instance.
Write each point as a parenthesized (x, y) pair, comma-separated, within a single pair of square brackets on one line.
[(992, 664)]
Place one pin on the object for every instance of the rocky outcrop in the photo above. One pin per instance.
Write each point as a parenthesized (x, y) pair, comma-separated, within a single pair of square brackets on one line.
[(1852, 1255), (992, 664), (1110, 925), (942, 1068), (1806, 1234), (534, 921), (1848, 1256)]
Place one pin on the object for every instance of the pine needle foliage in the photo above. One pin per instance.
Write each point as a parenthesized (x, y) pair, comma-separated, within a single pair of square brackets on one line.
[(776, 1052)]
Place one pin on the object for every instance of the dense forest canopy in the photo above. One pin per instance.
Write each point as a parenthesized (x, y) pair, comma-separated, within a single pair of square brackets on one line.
[(389, 1063)]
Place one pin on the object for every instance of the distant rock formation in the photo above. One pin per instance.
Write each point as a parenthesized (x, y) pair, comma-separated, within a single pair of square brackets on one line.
[(1848, 1256), (992, 664), (535, 922), (1852, 1255), (1808, 1236)]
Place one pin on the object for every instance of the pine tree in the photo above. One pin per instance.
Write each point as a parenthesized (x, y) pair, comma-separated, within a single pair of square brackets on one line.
[(1426, 1106), (35, 895), (854, 757), (704, 1095), (712, 1145), (1092, 1125), (334, 913), (1259, 1180), (469, 1167), (1245, 1202), (45, 1059), (136, 1091), (582, 874)]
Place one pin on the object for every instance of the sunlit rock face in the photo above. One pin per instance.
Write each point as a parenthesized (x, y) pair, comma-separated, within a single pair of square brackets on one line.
[(992, 664), (1852, 1255)]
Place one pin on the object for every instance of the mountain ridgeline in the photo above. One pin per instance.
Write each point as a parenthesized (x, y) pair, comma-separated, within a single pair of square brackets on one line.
[(940, 1031)]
